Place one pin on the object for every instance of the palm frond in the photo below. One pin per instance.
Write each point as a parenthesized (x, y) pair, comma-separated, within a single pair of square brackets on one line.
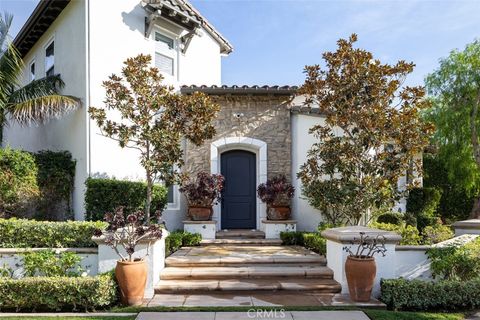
[(5, 23), (11, 65), (47, 86), (41, 109)]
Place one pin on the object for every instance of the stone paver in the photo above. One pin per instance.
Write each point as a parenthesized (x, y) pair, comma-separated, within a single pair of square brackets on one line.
[(267, 298), (255, 314)]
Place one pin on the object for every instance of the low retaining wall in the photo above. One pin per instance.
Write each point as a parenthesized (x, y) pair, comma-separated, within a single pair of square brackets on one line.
[(411, 262), (12, 257)]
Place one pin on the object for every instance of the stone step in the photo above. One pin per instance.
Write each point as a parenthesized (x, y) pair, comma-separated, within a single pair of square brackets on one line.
[(241, 242), (240, 234), (317, 285), (219, 255), (247, 272)]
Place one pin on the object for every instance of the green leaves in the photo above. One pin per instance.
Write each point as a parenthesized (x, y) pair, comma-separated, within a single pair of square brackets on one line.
[(454, 90), (402, 294), (154, 119), (58, 293), (371, 137), (22, 233), (48, 263)]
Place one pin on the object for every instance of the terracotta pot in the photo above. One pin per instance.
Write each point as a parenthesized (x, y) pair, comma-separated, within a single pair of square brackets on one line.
[(200, 213), (278, 212), (360, 277), (132, 278)]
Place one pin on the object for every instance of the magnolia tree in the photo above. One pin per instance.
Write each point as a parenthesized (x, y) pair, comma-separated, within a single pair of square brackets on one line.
[(371, 135), (154, 120)]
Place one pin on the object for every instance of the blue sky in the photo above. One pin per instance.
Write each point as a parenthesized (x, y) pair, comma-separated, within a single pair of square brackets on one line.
[(274, 39)]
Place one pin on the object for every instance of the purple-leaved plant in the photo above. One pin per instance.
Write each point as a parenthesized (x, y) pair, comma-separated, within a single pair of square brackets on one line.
[(128, 231), (205, 190)]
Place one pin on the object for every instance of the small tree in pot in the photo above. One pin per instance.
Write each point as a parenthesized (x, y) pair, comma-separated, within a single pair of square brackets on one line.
[(277, 193), (360, 267), (126, 233), (202, 193)]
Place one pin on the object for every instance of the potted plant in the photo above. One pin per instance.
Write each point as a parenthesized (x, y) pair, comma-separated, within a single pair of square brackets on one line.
[(202, 193), (277, 193), (360, 267), (126, 233)]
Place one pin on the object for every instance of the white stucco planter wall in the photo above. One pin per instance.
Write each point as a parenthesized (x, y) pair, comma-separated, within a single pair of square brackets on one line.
[(12, 258), (471, 226), (338, 238), (273, 228), (411, 262), (206, 228), (153, 252)]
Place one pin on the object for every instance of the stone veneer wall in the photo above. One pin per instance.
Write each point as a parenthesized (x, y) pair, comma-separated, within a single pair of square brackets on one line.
[(266, 118)]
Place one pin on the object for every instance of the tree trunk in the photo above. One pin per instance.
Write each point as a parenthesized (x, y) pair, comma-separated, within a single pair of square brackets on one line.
[(475, 213), (148, 202)]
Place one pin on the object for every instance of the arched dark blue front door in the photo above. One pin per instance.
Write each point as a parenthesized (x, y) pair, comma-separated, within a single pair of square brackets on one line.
[(239, 194)]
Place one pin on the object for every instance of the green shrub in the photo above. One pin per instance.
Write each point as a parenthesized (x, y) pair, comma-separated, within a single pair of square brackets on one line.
[(391, 218), (22, 233), (191, 239), (50, 264), (401, 294), (456, 202), (315, 242), (436, 234), (56, 175), (410, 234), (18, 181), (456, 262), (105, 195), (422, 204), (57, 293), (178, 239), (310, 240), (292, 238)]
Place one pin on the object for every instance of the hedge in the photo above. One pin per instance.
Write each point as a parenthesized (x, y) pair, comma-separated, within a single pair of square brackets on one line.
[(310, 240), (105, 195), (56, 175), (57, 293), (177, 239), (422, 204), (401, 294), (22, 233), (18, 181)]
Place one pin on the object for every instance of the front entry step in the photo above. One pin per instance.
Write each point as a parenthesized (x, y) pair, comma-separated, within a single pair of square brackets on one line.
[(240, 234), (225, 269), (317, 285), (241, 242), (253, 271)]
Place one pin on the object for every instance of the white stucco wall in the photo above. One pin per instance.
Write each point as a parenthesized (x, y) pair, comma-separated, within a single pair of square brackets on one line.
[(307, 217), (105, 33), (69, 132), (117, 33)]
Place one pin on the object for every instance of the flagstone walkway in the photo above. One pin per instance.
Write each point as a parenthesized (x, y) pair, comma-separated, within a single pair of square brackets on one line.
[(255, 314)]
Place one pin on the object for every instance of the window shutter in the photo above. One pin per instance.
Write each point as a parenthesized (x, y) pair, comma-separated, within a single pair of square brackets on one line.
[(164, 63)]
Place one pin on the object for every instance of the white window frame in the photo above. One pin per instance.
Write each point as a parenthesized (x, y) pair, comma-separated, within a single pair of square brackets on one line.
[(175, 205), (49, 42), (29, 71), (163, 49)]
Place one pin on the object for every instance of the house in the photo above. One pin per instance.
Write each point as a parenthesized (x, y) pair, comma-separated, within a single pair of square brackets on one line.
[(260, 131)]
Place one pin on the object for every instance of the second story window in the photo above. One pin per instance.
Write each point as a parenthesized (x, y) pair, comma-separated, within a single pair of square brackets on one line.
[(164, 39), (165, 54), (50, 59), (164, 63), (32, 71)]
